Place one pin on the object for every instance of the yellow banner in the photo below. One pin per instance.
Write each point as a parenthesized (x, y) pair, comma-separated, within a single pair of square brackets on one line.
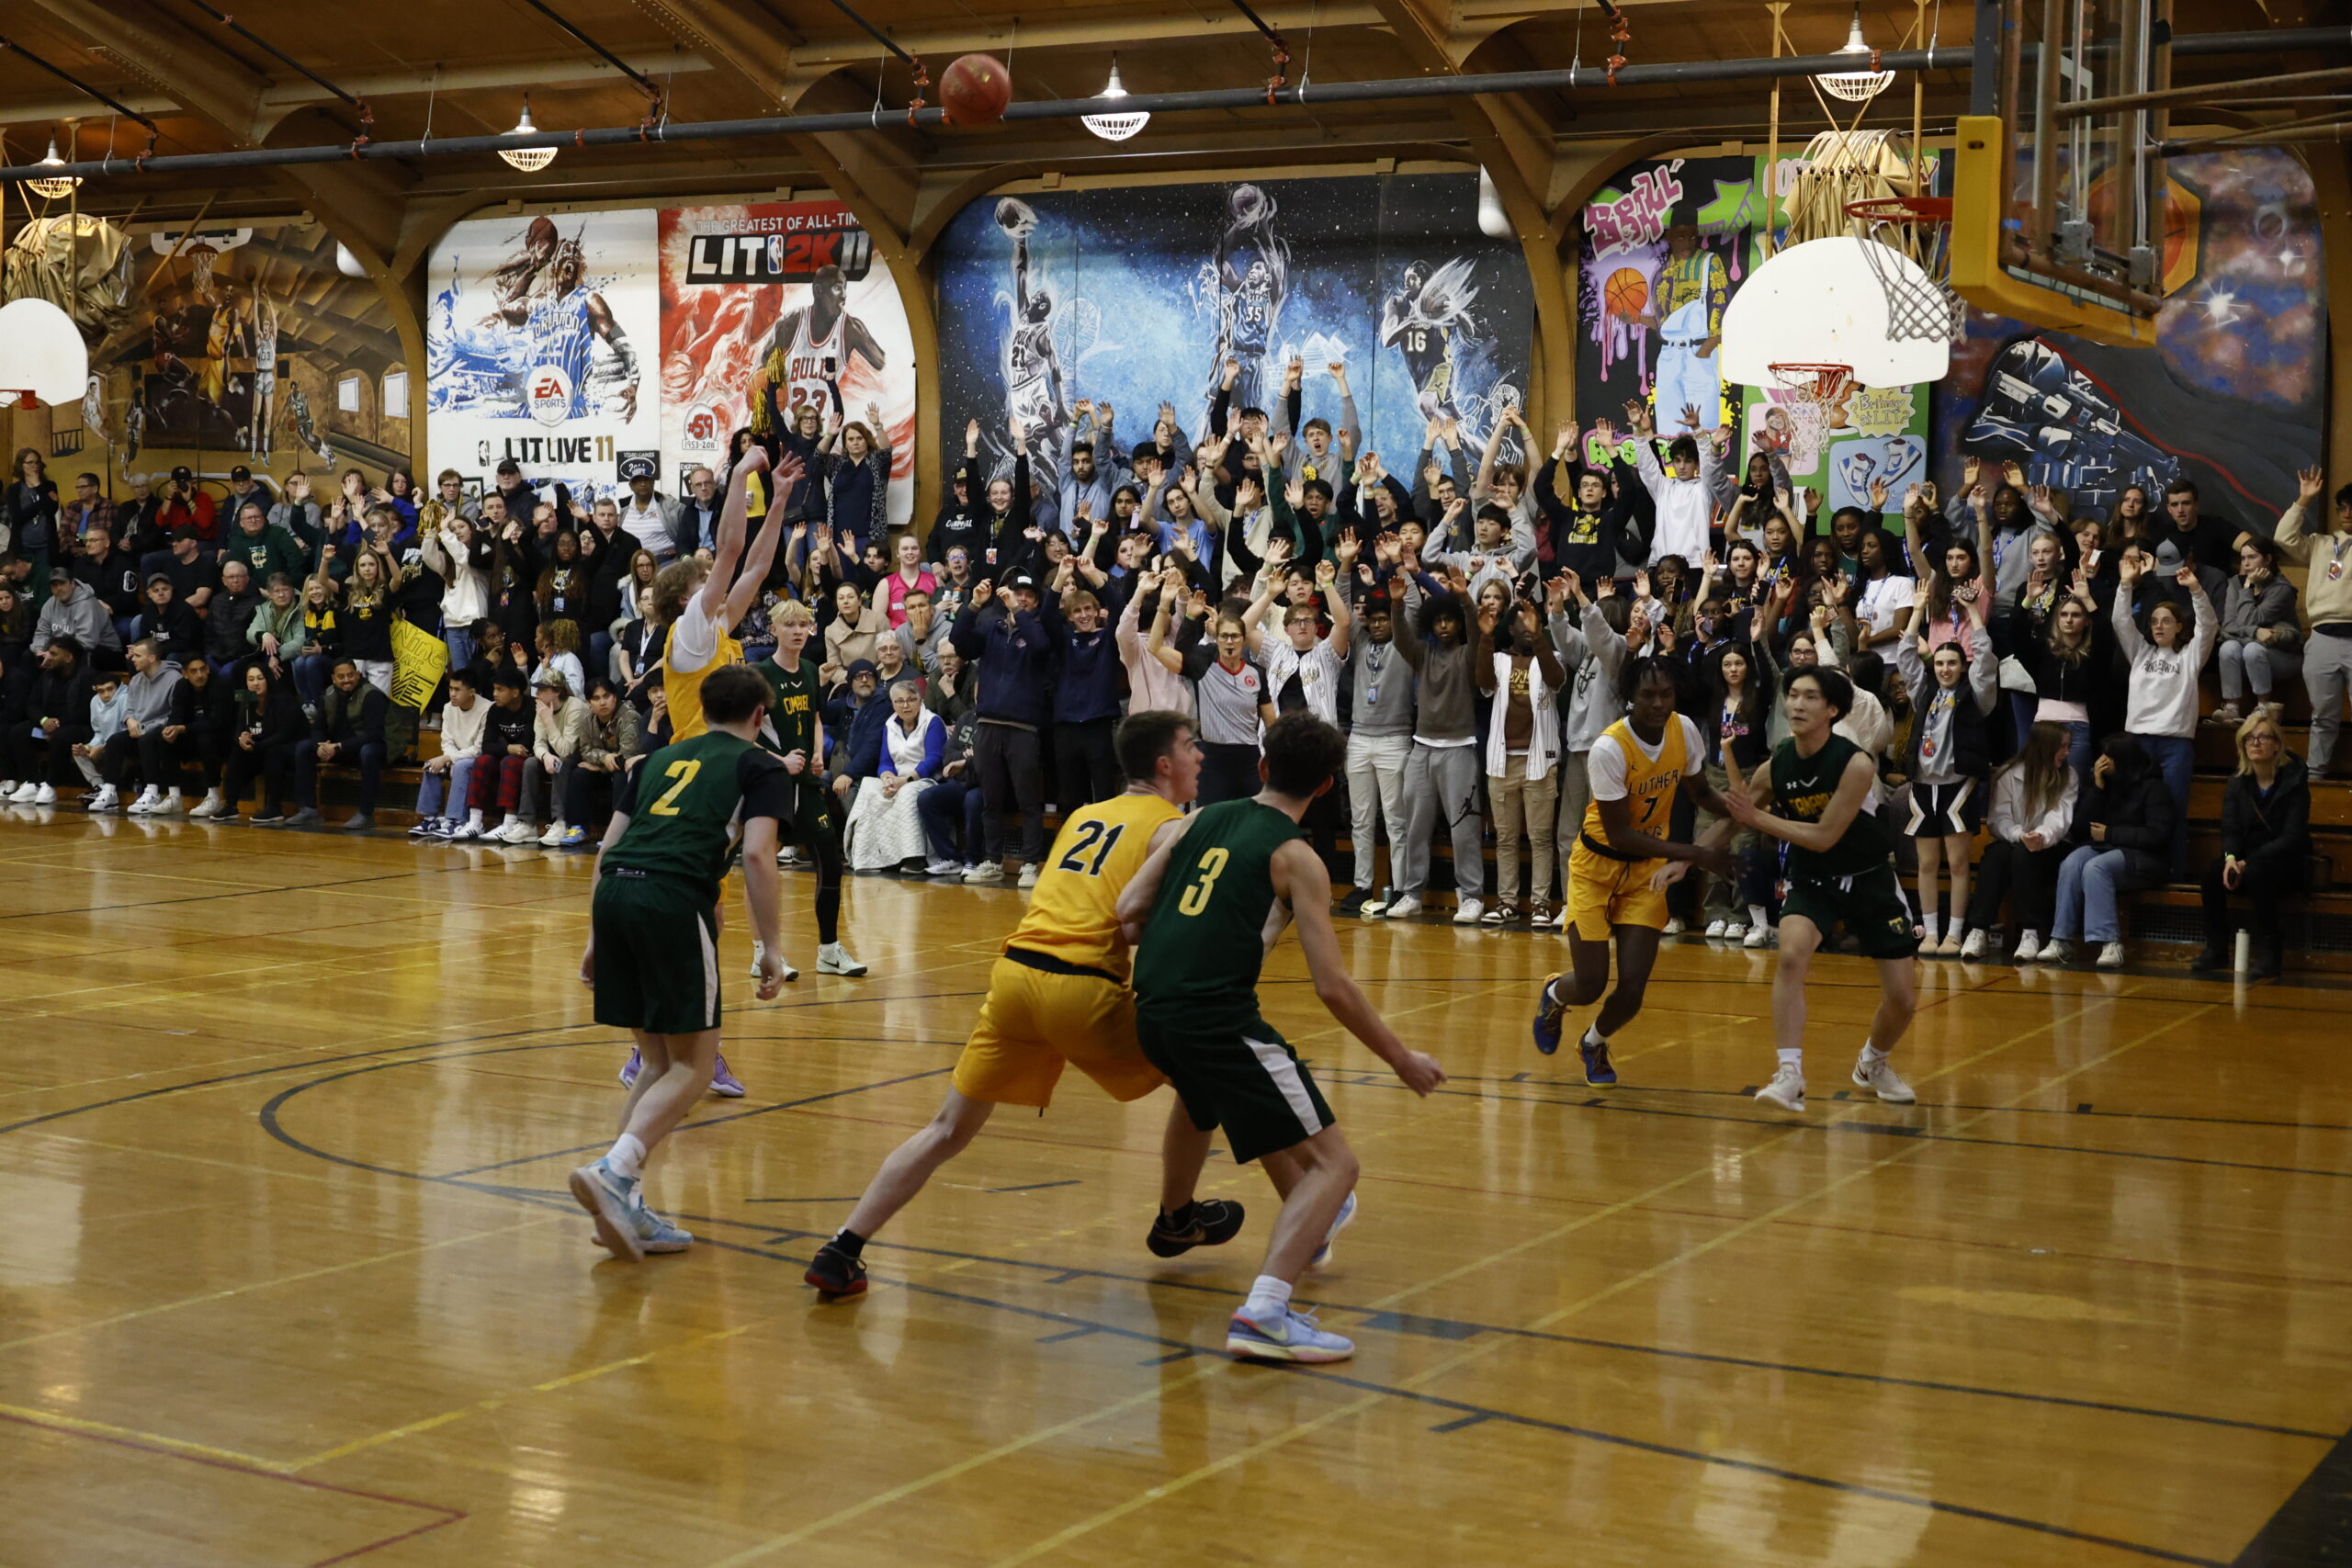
[(418, 660)]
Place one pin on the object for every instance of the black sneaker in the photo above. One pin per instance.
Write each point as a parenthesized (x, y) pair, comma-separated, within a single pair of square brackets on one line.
[(1214, 1222), (835, 1273)]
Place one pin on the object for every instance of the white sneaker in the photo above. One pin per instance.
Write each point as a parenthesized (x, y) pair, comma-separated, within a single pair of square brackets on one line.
[(942, 868), (759, 951), (8, 788), (1028, 876), (149, 799), (1404, 908), (2057, 949), (518, 832), (2110, 956), (1757, 936), (552, 837), (1560, 920), (104, 800), (466, 830), (2028, 948), (1882, 1076), (168, 804), (23, 793), (1734, 930), (1674, 927), (1470, 912), (985, 871), (211, 805), (1786, 1091), (1716, 929), (44, 794), (832, 958), (1974, 946)]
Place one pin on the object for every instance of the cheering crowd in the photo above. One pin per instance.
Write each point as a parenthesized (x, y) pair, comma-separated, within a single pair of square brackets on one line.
[(1463, 616)]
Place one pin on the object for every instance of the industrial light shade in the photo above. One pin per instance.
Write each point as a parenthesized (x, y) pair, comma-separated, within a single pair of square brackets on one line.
[(1115, 127), (531, 159), (56, 189), (43, 356), (1857, 86)]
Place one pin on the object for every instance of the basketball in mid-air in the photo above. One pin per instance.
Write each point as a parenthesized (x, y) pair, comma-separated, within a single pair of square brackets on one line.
[(1247, 204), (1015, 216), (1625, 293), (975, 90)]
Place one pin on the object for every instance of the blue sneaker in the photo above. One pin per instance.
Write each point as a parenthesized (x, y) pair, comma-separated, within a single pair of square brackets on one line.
[(630, 1068), (655, 1234), (1598, 1071), (724, 1083), (1346, 1217), (610, 1199), (1291, 1337), (1549, 1009), (573, 838)]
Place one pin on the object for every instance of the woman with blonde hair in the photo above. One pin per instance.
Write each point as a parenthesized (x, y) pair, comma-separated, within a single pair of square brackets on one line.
[(2265, 846)]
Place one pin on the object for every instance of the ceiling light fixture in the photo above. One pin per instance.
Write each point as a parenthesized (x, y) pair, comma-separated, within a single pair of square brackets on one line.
[(1115, 127), (56, 189), (1857, 86), (530, 159)]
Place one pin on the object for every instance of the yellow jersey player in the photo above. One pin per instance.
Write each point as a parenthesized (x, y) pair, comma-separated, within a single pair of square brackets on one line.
[(1623, 862), (702, 604), (1060, 997)]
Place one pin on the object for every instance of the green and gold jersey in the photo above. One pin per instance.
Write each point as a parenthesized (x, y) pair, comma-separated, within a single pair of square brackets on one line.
[(1197, 969), (1804, 787), (686, 806), (792, 705)]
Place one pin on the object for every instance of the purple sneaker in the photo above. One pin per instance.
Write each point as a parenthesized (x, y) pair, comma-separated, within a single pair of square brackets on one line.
[(723, 1083), (630, 1068)]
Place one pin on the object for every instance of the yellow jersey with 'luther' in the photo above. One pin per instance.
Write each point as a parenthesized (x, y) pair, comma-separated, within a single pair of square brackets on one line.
[(1647, 782), (1074, 909), (682, 689)]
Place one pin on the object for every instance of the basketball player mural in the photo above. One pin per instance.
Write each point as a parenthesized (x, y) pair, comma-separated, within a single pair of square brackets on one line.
[(1034, 392), (1686, 308), (539, 340), (261, 409), (1420, 322), (803, 365), (1251, 277)]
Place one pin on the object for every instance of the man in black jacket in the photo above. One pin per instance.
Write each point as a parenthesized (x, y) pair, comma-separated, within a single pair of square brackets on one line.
[(201, 729), (348, 732), (229, 614), (54, 719), (113, 575)]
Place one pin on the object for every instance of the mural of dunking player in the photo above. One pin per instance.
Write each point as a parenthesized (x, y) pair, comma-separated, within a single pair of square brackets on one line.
[(2230, 397), (243, 344), (534, 336), (1138, 295)]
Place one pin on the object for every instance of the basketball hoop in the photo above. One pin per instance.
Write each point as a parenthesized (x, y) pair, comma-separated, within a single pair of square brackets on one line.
[(1819, 385), (1920, 303)]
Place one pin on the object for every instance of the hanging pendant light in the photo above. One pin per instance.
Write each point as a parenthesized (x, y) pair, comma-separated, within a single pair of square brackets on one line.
[(1115, 127), (1857, 86), (530, 159), (59, 187)]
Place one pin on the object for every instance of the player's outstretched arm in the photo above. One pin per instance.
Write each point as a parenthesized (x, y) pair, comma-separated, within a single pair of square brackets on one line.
[(1301, 882), (746, 590), (763, 895), (731, 529), (1854, 787), (1137, 897)]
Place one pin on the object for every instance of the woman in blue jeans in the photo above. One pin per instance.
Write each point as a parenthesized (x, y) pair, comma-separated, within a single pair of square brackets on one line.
[(2126, 825), (2160, 702)]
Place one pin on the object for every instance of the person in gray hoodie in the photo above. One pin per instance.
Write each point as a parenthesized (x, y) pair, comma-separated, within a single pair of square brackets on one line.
[(1380, 737), (147, 708), (1441, 776), (2262, 638), (74, 609), (1590, 632)]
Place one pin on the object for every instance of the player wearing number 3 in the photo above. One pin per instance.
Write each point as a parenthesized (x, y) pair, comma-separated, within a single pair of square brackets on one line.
[(1059, 996)]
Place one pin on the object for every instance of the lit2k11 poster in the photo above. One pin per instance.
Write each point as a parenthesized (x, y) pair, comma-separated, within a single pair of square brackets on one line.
[(540, 336), (787, 305)]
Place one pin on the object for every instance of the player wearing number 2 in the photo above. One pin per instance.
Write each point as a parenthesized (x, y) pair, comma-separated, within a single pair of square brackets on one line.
[(1059, 996)]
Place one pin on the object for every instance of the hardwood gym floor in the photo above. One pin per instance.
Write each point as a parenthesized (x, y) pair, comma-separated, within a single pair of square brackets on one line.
[(289, 1278)]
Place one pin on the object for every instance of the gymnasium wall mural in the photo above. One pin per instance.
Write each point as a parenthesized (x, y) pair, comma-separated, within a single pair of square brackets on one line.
[(1666, 244), (540, 336), (2233, 394), (800, 279), (236, 344), (1134, 296)]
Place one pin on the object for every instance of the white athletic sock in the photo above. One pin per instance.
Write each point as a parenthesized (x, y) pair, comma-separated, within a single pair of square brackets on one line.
[(1794, 1057), (509, 820), (1592, 1036), (1932, 925), (473, 819), (627, 1156), (1872, 1053), (1758, 917), (1268, 1298)]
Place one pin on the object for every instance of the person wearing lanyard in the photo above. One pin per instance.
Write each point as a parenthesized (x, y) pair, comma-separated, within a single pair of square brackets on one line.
[(1233, 694), (2328, 600)]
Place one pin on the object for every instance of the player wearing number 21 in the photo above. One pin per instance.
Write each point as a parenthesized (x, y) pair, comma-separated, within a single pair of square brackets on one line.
[(1059, 997), (1211, 900)]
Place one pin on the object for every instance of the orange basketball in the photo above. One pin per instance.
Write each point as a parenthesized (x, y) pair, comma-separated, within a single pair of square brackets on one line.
[(1625, 293), (975, 90)]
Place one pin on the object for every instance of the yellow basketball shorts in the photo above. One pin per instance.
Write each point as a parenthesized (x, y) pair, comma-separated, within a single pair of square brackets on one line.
[(1035, 1022), (1604, 893)]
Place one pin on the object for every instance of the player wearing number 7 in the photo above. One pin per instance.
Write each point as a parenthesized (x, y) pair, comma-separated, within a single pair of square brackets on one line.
[(1059, 996), (1211, 901)]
